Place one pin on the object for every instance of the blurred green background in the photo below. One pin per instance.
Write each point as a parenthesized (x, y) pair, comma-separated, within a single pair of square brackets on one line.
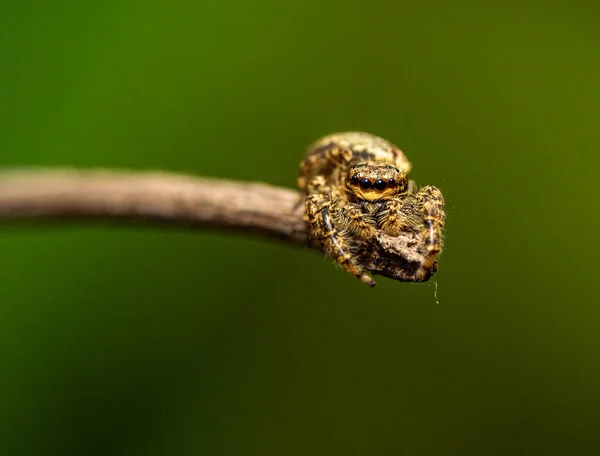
[(130, 341)]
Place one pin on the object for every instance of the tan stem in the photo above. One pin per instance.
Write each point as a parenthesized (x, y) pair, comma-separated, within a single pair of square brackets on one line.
[(186, 201)]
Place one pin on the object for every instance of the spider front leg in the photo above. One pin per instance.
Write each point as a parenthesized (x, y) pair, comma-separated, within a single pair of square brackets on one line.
[(320, 210), (357, 223), (400, 213), (432, 210), (389, 219), (422, 211)]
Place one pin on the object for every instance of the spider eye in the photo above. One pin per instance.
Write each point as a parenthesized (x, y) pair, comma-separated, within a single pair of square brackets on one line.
[(365, 183), (391, 182), (354, 179), (379, 184)]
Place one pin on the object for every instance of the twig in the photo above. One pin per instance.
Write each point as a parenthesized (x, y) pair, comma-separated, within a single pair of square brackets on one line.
[(185, 201)]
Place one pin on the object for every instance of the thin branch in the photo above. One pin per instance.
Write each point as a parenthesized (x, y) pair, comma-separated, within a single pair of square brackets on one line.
[(185, 201)]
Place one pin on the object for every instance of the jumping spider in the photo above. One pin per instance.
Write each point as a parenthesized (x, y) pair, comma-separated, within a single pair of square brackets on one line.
[(354, 184)]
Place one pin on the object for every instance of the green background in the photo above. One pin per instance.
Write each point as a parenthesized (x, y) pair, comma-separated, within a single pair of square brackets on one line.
[(130, 341)]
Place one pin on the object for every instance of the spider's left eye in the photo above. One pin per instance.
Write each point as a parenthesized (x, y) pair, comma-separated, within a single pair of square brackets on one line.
[(354, 179), (379, 184)]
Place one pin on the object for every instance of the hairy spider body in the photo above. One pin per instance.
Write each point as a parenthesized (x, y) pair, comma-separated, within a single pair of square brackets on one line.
[(354, 184)]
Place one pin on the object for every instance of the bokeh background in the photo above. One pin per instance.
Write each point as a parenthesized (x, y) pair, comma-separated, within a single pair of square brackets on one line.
[(131, 341)]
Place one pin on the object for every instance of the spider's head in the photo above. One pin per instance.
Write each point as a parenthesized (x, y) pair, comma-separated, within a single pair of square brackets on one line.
[(373, 182)]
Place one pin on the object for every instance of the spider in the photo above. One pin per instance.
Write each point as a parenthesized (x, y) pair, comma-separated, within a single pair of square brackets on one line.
[(355, 183)]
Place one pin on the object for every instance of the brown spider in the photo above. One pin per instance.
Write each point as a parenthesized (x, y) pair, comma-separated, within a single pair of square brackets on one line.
[(355, 183)]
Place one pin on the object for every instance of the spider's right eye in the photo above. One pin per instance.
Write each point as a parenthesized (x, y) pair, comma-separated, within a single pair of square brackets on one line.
[(365, 183), (354, 179)]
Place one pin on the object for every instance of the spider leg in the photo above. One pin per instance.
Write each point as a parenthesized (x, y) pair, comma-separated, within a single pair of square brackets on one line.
[(357, 222), (389, 219), (319, 207), (432, 210), (400, 213), (317, 187)]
